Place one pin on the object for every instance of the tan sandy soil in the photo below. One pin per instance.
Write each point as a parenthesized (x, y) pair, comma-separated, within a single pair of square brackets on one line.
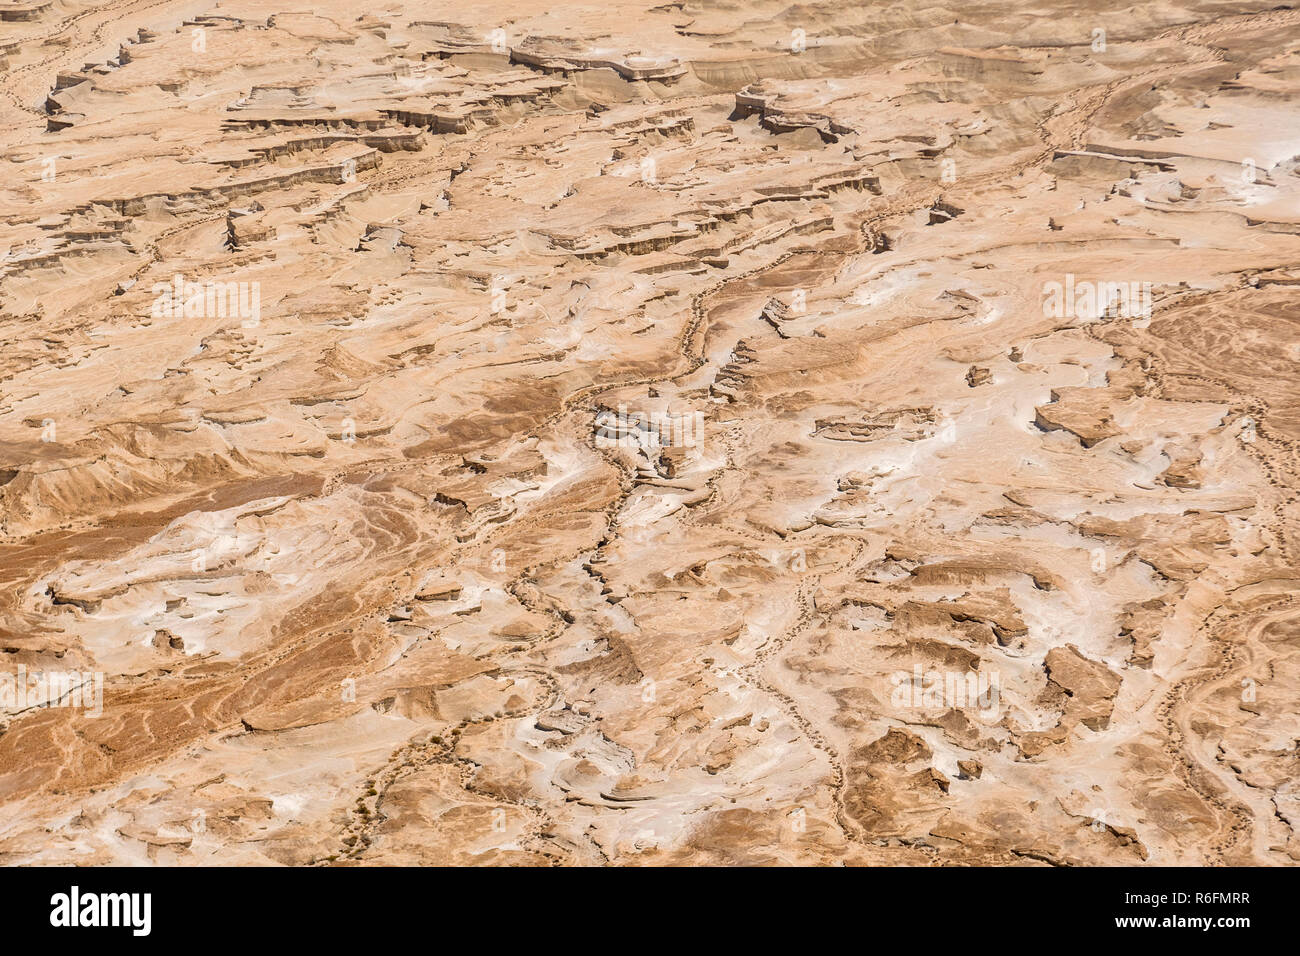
[(643, 424)]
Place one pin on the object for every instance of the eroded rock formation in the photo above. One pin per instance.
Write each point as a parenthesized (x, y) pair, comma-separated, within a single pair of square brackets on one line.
[(641, 433)]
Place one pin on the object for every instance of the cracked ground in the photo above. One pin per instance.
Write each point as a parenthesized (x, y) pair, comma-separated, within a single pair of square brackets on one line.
[(621, 432)]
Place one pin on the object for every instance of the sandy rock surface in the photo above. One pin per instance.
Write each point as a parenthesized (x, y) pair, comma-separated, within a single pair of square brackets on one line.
[(642, 433)]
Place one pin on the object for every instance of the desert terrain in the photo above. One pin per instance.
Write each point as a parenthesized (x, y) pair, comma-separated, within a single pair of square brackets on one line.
[(649, 433)]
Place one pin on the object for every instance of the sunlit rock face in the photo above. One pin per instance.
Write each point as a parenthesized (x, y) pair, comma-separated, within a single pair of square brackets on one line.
[(635, 434)]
